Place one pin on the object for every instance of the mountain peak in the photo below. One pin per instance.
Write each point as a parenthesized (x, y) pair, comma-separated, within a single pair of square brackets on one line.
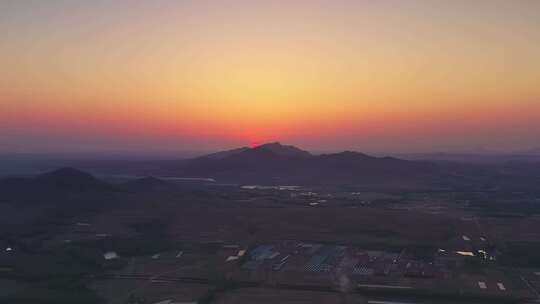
[(270, 144), (65, 173), (69, 179), (282, 150)]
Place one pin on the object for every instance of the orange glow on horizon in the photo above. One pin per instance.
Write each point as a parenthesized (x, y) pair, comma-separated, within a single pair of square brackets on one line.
[(353, 74)]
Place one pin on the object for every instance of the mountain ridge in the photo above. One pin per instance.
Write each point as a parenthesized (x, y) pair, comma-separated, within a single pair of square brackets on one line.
[(274, 162)]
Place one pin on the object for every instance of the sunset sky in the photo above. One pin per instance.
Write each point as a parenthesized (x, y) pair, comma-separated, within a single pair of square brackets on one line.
[(165, 76)]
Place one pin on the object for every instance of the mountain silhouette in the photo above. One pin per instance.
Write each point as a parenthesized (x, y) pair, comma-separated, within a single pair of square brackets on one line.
[(61, 182), (225, 154), (68, 179), (275, 162), (268, 149), (282, 150)]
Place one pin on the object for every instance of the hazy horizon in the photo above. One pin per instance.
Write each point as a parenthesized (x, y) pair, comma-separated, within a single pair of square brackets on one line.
[(187, 153)]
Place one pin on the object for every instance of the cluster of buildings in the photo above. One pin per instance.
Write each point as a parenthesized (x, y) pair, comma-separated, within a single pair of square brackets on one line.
[(323, 259)]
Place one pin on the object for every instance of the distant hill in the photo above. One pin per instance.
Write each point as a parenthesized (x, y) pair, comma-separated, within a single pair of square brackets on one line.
[(65, 181), (68, 179), (279, 163)]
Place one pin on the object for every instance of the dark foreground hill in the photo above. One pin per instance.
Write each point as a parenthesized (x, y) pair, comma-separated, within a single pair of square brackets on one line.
[(278, 163), (54, 184)]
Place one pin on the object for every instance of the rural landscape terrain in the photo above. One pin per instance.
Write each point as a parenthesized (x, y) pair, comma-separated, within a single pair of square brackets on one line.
[(272, 224)]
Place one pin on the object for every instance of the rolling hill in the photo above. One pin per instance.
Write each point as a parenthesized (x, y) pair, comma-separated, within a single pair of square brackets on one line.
[(58, 183)]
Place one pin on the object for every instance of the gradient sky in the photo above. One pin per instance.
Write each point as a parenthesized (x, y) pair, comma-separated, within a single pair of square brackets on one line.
[(158, 76)]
